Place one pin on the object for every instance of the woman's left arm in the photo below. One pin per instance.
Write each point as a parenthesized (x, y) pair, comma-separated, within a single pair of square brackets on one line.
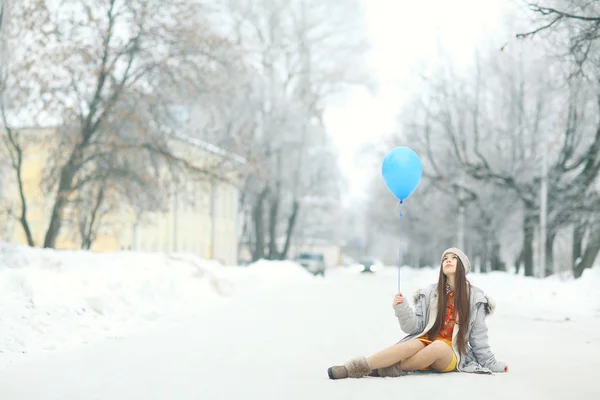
[(478, 338)]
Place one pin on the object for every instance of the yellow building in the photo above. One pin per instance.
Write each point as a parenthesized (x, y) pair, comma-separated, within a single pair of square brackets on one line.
[(202, 219)]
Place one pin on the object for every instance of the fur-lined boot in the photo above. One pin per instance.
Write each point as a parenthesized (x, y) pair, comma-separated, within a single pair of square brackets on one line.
[(391, 371), (354, 368)]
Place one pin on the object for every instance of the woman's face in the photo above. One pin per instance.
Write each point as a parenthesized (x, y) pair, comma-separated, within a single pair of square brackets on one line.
[(449, 263)]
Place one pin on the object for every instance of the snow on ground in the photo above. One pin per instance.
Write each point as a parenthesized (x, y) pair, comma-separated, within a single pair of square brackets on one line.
[(178, 327), (50, 300), (277, 344)]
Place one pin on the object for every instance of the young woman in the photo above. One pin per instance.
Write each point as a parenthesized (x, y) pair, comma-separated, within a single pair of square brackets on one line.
[(446, 331)]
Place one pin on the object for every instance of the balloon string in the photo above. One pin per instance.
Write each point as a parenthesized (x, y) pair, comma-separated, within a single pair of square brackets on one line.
[(400, 246)]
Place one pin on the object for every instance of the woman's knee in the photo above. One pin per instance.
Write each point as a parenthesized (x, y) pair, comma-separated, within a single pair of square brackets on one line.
[(415, 344), (440, 346), (410, 347)]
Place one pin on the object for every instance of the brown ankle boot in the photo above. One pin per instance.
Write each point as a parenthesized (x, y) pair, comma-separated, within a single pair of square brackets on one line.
[(355, 368), (391, 371)]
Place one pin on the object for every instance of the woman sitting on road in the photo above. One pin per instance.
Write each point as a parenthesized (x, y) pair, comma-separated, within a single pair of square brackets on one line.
[(435, 340)]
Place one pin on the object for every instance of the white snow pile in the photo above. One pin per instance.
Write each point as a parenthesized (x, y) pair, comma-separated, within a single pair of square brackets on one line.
[(51, 300), (555, 296), (58, 299)]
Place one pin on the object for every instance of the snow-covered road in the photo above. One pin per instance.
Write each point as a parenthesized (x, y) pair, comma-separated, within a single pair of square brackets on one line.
[(277, 344)]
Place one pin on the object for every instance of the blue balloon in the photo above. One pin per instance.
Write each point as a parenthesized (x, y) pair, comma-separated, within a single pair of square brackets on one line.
[(402, 171)]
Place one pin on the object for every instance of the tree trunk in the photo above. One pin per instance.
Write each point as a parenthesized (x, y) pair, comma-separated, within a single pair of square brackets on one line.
[(17, 164), (290, 228), (423, 261), (259, 226), (591, 251), (23, 217), (578, 232), (89, 233), (496, 260), (62, 196), (518, 261), (550, 253), (273, 215), (484, 256), (528, 229), (244, 238)]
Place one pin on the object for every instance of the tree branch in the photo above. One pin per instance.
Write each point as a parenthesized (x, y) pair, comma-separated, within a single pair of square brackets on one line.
[(16, 154), (552, 11)]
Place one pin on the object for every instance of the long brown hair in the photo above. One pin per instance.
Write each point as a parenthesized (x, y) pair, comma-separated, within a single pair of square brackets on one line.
[(461, 304)]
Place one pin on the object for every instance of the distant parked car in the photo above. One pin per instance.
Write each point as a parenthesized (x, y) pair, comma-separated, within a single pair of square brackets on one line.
[(313, 262), (369, 265)]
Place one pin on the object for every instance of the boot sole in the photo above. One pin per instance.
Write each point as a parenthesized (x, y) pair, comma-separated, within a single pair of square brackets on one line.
[(330, 373)]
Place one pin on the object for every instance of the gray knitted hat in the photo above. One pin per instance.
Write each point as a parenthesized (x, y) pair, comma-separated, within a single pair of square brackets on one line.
[(463, 258)]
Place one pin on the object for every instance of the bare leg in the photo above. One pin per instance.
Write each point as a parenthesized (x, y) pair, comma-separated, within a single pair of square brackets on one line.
[(437, 355), (395, 353)]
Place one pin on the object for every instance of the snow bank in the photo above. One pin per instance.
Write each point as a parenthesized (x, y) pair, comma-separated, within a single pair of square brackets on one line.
[(552, 296), (58, 299), (555, 296)]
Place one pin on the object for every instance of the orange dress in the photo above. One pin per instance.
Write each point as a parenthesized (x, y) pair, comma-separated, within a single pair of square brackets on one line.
[(447, 329)]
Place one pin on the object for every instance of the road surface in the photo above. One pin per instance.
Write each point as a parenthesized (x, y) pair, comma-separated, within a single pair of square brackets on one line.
[(278, 344)]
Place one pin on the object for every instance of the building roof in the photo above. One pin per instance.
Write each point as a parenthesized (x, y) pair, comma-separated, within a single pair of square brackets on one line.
[(201, 144)]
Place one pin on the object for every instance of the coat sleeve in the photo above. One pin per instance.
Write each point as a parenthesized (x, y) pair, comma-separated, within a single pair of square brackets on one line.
[(478, 339), (412, 322)]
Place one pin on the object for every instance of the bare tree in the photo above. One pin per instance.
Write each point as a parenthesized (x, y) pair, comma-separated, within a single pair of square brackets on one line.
[(13, 142), (108, 81), (302, 49), (578, 22), (497, 134), (457, 117), (482, 135)]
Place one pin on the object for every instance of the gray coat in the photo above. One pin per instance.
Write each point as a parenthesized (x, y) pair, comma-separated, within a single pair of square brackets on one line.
[(479, 358)]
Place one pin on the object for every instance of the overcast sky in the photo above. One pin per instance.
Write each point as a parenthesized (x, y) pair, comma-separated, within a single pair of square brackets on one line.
[(403, 35)]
